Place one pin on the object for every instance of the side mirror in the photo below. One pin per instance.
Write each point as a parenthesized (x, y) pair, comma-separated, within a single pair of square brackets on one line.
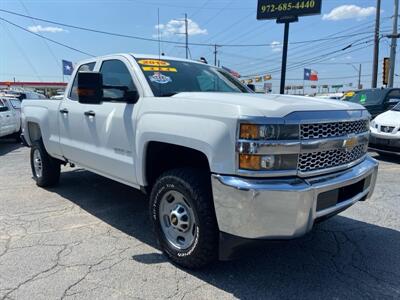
[(90, 87), (131, 97), (252, 87)]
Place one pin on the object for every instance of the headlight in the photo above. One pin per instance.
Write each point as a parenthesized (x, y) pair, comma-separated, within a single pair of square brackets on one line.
[(270, 162), (373, 124), (269, 132), (259, 147)]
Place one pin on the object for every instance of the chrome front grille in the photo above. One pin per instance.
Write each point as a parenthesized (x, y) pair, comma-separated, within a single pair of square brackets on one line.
[(335, 129), (328, 159), (387, 129)]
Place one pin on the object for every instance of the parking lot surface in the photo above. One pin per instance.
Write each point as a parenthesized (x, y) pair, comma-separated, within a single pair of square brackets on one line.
[(90, 238)]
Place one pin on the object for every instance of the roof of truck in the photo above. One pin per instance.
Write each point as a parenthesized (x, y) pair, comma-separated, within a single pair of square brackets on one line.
[(156, 56)]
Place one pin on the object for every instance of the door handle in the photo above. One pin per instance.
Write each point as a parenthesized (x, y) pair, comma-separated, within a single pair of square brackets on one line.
[(64, 111), (89, 113)]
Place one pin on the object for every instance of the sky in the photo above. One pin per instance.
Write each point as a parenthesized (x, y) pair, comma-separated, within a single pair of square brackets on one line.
[(230, 23)]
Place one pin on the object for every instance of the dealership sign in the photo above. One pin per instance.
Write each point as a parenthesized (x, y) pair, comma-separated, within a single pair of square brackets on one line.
[(277, 9)]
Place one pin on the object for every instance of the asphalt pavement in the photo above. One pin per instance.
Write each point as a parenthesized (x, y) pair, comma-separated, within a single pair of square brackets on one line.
[(90, 238)]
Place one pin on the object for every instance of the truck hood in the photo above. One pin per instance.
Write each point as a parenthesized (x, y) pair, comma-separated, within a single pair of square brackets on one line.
[(270, 105)]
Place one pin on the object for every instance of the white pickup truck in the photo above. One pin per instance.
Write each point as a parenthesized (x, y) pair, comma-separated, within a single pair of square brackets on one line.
[(223, 166), (10, 117)]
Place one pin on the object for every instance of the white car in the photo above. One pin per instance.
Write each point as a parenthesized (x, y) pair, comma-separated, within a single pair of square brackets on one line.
[(222, 165), (10, 117), (385, 132)]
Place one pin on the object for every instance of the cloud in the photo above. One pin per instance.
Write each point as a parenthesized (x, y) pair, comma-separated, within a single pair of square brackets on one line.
[(178, 27), (349, 12), (40, 28), (276, 46)]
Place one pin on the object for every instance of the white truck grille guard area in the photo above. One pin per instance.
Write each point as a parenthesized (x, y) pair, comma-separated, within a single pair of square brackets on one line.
[(327, 142), (333, 172)]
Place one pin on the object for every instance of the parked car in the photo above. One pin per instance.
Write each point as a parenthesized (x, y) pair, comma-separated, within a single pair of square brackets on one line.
[(331, 96), (222, 165), (385, 132), (377, 100), (21, 95), (10, 117)]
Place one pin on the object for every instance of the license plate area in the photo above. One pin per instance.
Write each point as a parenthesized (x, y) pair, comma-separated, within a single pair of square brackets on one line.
[(333, 197)]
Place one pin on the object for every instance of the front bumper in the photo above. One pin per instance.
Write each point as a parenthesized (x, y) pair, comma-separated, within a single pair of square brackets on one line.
[(384, 144), (287, 208)]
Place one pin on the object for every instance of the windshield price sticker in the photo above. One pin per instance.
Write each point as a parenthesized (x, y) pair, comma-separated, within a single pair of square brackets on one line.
[(163, 69), (274, 9), (160, 78), (153, 62)]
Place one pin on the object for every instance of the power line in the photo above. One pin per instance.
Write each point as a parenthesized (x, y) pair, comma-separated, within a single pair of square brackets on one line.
[(23, 53), (314, 59), (46, 38), (44, 41), (164, 41)]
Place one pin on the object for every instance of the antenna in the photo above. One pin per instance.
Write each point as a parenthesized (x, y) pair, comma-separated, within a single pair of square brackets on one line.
[(159, 48), (159, 37)]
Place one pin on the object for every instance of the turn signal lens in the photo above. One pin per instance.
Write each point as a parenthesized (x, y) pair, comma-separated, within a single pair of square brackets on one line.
[(249, 162), (249, 131)]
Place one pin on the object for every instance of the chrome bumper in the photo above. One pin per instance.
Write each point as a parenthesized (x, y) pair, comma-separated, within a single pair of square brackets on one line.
[(285, 208)]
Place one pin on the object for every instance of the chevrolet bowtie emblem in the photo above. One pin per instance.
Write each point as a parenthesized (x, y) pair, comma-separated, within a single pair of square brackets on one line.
[(350, 143)]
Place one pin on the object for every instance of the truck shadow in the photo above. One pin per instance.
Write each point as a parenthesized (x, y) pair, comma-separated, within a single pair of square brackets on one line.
[(340, 258), (8, 145), (386, 158)]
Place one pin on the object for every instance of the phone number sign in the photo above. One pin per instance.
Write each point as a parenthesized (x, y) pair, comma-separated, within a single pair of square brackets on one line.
[(275, 9)]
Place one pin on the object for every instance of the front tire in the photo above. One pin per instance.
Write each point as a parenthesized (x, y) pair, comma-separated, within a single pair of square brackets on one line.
[(183, 217), (45, 169)]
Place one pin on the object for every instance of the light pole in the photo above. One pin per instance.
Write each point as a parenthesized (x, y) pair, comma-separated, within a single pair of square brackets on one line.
[(394, 44), (376, 45), (359, 74)]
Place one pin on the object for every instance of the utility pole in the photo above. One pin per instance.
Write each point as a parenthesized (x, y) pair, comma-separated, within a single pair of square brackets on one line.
[(394, 44), (359, 78), (376, 45), (215, 54), (284, 57), (187, 36)]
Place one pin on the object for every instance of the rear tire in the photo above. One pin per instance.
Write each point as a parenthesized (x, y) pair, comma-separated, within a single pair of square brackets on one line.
[(45, 169), (183, 216)]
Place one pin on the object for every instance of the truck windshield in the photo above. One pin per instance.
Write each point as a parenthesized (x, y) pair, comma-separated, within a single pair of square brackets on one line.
[(169, 77), (368, 97)]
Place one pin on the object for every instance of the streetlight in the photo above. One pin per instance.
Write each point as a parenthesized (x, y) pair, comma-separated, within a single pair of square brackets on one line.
[(359, 74)]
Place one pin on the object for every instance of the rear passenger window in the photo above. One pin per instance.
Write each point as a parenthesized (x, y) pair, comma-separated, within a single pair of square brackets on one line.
[(117, 78), (3, 106), (394, 94), (86, 67)]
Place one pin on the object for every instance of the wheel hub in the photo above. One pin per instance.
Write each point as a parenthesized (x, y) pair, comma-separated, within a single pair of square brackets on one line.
[(179, 218), (37, 163)]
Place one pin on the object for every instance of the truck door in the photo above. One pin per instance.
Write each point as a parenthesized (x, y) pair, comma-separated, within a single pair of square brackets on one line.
[(72, 123), (101, 136), (112, 123), (8, 121)]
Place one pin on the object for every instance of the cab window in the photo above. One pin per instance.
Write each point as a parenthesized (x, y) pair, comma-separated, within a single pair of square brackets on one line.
[(117, 80), (3, 106), (394, 94), (86, 67)]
